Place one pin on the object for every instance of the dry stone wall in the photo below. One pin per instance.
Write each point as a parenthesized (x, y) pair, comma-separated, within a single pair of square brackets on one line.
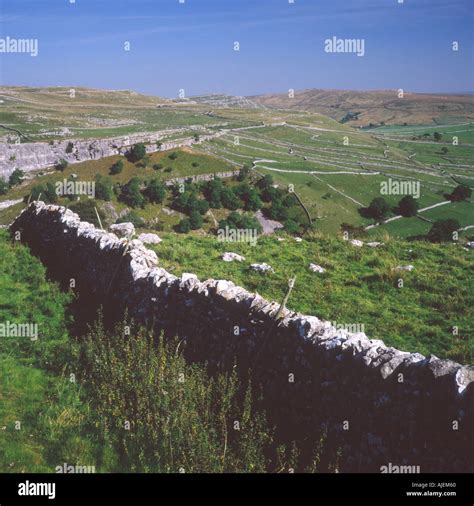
[(378, 405)]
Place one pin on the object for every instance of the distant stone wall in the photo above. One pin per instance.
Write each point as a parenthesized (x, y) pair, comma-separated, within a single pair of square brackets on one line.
[(31, 156), (378, 405)]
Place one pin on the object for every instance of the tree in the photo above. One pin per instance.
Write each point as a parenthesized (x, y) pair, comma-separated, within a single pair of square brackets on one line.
[(277, 210), (202, 206), (181, 201), (69, 147), (184, 226), (173, 156), (265, 183), (378, 208), (238, 221), (444, 150), (243, 173), (195, 220), (213, 193), (437, 136), (16, 177), (267, 191), (137, 152), (3, 186), (155, 191), (229, 199), (116, 168), (131, 193), (157, 166), (61, 165), (47, 192), (253, 201), (443, 230), (408, 206), (459, 193), (103, 188), (249, 196)]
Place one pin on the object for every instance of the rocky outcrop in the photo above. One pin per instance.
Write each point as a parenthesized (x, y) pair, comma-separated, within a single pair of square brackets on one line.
[(33, 156), (377, 405)]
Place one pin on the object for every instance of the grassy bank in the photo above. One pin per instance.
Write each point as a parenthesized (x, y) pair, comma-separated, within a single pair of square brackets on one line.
[(360, 285)]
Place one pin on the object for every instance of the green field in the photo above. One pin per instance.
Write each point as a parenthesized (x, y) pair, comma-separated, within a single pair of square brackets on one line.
[(358, 287), (289, 145)]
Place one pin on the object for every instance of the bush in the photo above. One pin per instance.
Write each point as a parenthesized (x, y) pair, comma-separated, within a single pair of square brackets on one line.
[(244, 173), (179, 417), (46, 191), (116, 168), (61, 165), (378, 208), (443, 230), (195, 220), (155, 191), (459, 193), (238, 221), (3, 186), (249, 196), (173, 156), (408, 206), (69, 147), (265, 183), (103, 188), (169, 169), (230, 200), (184, 226), (131, 193), (202, 206), (16, 177), (157, 166), (213, 192), (137, 152)]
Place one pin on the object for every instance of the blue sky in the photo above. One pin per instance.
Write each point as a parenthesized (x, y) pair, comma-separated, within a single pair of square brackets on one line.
[(190, 46)]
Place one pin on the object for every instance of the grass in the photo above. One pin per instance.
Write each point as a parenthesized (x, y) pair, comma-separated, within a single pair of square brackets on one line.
[(118, 404), (359, 286), (187, 163)]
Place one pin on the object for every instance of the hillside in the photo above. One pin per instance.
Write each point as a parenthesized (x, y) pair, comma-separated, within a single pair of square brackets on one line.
[(359, 288), (336, 170), (376, 106)]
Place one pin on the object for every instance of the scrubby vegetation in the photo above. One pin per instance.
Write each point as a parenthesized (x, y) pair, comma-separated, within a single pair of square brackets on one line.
[(121, 400)]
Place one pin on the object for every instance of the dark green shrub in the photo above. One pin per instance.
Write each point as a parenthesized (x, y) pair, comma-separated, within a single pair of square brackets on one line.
[(184, 226), (16, 177), (137, 152), (155, 191), (116, 168), (131, 193), (103, 188)]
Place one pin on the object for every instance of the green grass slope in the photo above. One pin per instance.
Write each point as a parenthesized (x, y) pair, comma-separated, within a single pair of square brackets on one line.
[(360, 285)]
